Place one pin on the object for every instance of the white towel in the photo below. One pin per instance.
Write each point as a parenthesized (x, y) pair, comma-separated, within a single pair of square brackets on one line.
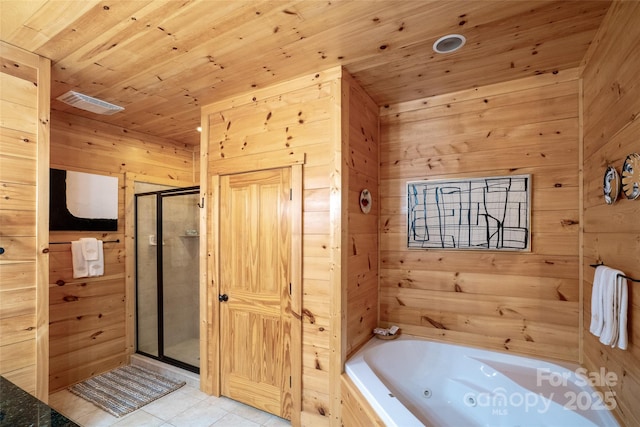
[(609, 307), (80, 267), (623, 298), (609, 302), (89, 248), (597, 320), (83, 267), (96, 267)]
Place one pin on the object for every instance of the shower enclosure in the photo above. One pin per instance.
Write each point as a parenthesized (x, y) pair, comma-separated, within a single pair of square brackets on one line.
[(167, 260)]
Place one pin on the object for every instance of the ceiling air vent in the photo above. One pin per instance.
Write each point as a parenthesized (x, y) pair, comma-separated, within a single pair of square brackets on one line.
[(89, 103)]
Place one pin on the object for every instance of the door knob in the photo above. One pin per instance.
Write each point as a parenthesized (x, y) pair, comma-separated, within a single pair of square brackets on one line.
[(223, 298)]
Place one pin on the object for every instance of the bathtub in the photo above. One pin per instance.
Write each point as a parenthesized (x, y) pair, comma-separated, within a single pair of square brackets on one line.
[(415, 382)]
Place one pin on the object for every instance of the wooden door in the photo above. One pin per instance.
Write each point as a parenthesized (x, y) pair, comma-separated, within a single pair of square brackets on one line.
[(255, 321)]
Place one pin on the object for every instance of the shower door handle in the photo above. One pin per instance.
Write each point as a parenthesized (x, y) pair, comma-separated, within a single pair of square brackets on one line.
[(223, 298)]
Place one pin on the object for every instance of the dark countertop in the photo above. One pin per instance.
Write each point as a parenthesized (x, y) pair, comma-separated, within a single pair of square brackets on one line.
[(20, 409)]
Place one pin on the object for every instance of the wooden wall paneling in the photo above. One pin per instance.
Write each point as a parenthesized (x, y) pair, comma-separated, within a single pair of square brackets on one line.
[(238, 161), (296, 283), (338, 145), (548, 178), (91, 306), (299, 118), (208, 284), (99, 312), (487, 299), (581, 191), (608, 154), (613, 83), (117, 150), (611, 102), (360, 122), (549, 288), (24, 215), (213, 360), (104, 357), (17, 356)]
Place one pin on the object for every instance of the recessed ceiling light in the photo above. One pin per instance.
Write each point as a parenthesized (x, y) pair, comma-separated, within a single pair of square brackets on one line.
[(199, 128), (449, 43)]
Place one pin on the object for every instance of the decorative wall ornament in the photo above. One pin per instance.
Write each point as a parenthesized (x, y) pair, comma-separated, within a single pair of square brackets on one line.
[(492, 213), (365, 201), (611, 185), (631, 176), (82, 201)]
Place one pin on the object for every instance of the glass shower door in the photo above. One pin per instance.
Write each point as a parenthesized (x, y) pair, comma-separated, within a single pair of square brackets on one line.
[(167, 276), (180, 261), (147, 275)]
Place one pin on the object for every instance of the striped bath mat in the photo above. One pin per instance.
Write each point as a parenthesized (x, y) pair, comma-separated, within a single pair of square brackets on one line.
[(125, 389)]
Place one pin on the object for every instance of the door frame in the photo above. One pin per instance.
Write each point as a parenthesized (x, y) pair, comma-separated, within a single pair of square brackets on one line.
[(210, 378)]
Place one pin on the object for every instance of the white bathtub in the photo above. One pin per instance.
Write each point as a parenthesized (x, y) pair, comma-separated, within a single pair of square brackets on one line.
[(414, 382)]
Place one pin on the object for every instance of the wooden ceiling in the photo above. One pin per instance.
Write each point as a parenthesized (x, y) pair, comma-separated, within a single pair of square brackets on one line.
[(163, 59)]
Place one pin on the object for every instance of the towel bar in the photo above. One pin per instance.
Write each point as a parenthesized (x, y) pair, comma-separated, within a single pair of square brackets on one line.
[(68, 243), (619, 275)]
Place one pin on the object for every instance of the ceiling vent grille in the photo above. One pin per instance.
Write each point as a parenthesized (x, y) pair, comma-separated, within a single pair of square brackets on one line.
[(89, 103)]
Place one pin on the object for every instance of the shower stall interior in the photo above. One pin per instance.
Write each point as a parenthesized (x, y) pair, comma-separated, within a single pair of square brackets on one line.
[(167, 261)]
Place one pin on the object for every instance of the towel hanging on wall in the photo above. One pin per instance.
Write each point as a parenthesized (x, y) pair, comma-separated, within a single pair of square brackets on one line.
[(89, 248), (609, 301), (87, 258)]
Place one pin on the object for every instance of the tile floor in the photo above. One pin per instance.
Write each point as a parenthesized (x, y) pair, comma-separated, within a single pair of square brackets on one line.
[(187, 406)]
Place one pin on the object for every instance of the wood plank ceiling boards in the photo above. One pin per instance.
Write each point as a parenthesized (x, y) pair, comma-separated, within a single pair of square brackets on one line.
[(163, 59)]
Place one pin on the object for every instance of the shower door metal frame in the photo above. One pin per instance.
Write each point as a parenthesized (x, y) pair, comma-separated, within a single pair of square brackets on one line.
[(159, 274)]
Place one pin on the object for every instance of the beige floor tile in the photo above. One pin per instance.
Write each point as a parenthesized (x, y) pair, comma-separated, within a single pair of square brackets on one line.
[(251, 413), (277, 422), (170, 405), (202, 414), (233, 420), (97, 418), (194, 392), (139, 418), (225, 403), (70, 405), (185, 407)]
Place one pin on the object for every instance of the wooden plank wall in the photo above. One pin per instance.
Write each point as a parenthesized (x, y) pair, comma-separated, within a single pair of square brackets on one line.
[(612, 233), (327, 120), (361, 123), (88, 316), (519, 302), (297, 118), (24, 218)]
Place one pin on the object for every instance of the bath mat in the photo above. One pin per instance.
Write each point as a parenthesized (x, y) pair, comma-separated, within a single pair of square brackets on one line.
[(125, 389)]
